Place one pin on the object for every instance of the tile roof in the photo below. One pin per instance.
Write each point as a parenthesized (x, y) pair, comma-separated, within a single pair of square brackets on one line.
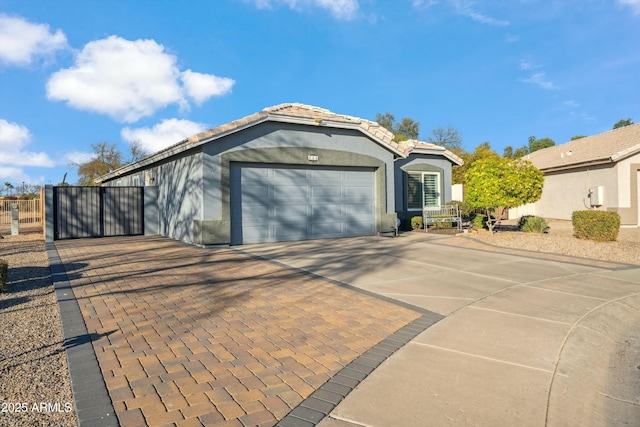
[(607, 147), (289, 113), (315, 115), (421, 147)]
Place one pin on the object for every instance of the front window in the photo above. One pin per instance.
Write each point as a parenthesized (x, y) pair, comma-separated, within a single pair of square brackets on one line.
[(423, 190)]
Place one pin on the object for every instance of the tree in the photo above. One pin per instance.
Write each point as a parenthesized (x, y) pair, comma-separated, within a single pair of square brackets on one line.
[(137, 150), (482, 151), (498, 182), (448, 138), (403, 130), (573, 138), (107, 158), (533, 145), (9, 187), (520, 152), (622, 123), (539, 144)]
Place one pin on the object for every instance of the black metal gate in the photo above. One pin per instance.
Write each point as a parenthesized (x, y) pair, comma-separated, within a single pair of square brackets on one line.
[(97, 211)]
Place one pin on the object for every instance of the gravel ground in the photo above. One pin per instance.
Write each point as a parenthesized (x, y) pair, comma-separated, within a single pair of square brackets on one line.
[(33, 364), (560, 240), (35, 389)]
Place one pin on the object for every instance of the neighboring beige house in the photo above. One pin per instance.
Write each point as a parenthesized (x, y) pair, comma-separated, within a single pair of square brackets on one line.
[(596, 172)]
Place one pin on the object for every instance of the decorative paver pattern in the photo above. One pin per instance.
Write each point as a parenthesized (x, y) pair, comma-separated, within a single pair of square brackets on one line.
[(190, 336)]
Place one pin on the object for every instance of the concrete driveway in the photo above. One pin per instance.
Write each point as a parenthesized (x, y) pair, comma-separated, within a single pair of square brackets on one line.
[(528, 339)]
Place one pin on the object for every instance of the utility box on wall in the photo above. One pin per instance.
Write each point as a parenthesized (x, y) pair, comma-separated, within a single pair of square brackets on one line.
[(596, 194)]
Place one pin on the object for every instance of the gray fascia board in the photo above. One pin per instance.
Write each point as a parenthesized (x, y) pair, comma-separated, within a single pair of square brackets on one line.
[(599, 162), (435, 152)]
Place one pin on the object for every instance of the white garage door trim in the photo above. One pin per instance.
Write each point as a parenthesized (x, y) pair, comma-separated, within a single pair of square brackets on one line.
[(273, 203)]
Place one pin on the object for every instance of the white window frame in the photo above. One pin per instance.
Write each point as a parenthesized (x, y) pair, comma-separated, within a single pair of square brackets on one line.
[(136, 181), (422, 190)]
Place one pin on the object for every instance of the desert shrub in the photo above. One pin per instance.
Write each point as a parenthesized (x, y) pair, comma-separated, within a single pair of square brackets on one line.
[(4, 270), (533, 224), (463, 207), (416, 223), (479, 221), (595, 225), (439, 224)]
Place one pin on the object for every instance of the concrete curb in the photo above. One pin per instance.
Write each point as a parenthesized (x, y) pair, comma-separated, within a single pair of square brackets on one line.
[(91, 398)]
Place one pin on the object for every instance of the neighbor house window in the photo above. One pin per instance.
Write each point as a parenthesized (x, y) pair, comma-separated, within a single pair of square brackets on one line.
[(423, 190), (136, 181)]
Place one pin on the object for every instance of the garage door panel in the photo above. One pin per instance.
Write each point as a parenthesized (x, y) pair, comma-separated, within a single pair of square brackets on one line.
[(289, 174), (290, 191), (327, 230), (255, 213), (255, 233), (256, 191), (321, 174), (295, 213), (365, 210), (328, 212), (256, 173), (358, 228), (282, 233), (280, 203), (359, 192), (326, 191)]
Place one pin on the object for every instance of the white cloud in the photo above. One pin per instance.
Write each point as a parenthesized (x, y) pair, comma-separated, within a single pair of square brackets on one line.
[(162, 135), (78, 157), (13, 175), (340, 9), (633, 4), (465, 8), (13, 139), (526, 64), (540, 80), (22, 40), (201, 87), (126, 80), (571, 104)]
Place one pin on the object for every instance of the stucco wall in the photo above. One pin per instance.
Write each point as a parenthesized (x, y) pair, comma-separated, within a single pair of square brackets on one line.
[(194, 189), (568, 191), (420, 162), (283, 143)]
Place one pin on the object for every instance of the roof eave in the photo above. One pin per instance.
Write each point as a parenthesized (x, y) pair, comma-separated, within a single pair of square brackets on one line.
[(444, 152), (598, 162), (185, 144)]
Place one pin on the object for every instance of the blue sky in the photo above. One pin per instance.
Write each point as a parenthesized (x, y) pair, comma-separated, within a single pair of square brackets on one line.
[(79, 72)]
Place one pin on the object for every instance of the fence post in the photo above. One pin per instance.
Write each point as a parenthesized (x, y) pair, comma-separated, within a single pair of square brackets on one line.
[(15, 219), (47, 213)]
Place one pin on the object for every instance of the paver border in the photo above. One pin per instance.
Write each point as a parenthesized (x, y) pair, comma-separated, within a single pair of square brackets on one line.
[(91, 398), (321, 402)]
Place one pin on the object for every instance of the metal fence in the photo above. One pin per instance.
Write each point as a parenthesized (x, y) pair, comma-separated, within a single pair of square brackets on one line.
[(30, 211)]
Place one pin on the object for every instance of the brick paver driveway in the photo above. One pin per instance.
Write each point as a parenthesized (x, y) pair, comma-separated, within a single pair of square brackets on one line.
[(201, 337)]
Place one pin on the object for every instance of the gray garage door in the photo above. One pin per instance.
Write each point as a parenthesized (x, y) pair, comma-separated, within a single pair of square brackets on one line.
[(275, 203)]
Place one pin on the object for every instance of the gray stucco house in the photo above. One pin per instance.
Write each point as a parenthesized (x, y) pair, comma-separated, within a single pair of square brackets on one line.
[(596, 172), (289, 172)]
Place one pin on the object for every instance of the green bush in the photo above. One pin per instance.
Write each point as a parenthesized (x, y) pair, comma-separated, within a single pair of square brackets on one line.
[(416, 223), (4, 270), (533, 224), (479, 221), (463, 207), (595, 225), (439, 224)]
